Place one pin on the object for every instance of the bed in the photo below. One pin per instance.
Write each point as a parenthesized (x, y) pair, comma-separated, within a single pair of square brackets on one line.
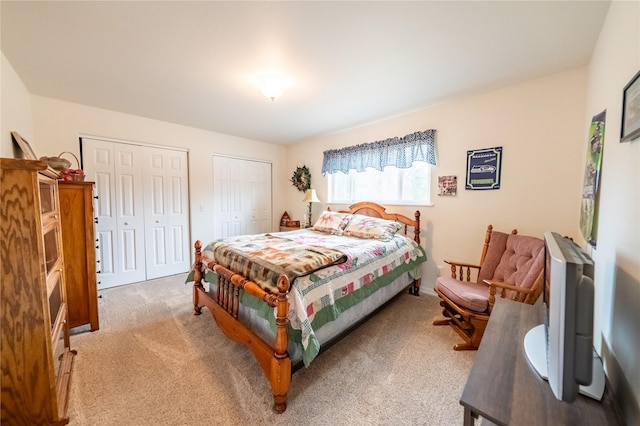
[(287, 296)]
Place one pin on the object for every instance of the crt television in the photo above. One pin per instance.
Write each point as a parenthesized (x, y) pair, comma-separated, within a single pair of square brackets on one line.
[(561, 349)]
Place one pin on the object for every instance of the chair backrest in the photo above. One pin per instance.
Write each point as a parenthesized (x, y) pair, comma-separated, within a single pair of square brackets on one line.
[(522, 265), (495, 244)]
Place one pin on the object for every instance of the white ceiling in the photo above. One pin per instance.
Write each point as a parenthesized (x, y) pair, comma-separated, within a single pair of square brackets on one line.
[(352, 62)]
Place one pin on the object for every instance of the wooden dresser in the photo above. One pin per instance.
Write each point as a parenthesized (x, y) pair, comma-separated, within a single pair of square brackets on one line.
[(36, 355), (79, 249)]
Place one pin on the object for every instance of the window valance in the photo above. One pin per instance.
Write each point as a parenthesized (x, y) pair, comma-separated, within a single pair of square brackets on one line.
[(399, 152)]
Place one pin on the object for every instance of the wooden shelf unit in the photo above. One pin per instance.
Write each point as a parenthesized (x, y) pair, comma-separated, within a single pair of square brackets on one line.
[(36, 357), (79, 249)]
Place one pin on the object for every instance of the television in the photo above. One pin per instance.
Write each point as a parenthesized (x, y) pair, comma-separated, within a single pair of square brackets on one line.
[(561, 348)]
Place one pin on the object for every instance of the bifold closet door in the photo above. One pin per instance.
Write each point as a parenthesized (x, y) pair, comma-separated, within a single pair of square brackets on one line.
[(116, 170), (242, 197), (166, 207), (141, 208)]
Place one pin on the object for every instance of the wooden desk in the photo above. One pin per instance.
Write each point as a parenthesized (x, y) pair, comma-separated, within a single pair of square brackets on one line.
[(504, 388)]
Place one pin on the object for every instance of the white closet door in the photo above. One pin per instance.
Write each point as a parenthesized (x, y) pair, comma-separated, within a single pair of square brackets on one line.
[(259, 187), (142, 210), (227, 189), (130, 212), (166, 208), (242, 197), (98, 162), (116, 170)]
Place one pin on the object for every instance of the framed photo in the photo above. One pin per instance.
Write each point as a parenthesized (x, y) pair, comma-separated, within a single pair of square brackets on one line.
[(447, 186), (484, 167), (630, 128), (26, 149)]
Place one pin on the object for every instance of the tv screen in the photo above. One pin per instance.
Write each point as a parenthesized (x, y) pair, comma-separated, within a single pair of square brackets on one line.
[(561, 349)]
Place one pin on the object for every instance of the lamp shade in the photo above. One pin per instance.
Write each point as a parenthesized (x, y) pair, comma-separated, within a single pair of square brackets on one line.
[(310, 196), (272, 84)]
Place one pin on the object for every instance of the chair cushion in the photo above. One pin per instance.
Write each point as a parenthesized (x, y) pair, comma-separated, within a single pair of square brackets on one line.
[(469, 295), (521, 263), (497, 245)]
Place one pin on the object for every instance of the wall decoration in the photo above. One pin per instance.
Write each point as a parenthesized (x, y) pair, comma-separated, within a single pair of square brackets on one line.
[(24, 146), (631, 110), (447, 185), (483, 168), (301, 178), (589, 207)]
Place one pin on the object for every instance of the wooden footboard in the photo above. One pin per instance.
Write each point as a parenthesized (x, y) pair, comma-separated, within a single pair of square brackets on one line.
[(273, 359)]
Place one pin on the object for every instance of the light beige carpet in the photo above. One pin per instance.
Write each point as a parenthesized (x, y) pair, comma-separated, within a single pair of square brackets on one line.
[(155, 363)]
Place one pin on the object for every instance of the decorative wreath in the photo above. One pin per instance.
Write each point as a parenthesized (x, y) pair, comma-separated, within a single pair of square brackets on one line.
[(301, 179)]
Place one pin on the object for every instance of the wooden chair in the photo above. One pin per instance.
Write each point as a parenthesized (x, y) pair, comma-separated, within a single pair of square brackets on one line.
[(510, 262)]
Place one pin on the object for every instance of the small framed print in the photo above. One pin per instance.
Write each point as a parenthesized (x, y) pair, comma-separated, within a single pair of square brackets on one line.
[(630, 128), (26, 149), (447, 186)]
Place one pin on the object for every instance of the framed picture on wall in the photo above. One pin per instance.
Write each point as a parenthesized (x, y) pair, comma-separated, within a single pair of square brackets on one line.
[(630, 128), (24, 146), (590, 188), (484, 167)]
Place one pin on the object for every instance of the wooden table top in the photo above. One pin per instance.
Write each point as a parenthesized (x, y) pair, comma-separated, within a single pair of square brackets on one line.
[(505, 389)]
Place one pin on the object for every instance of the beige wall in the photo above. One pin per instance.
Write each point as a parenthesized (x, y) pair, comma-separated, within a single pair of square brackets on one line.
[(615, 60), (540, 125), (15, 110), (58, 124)]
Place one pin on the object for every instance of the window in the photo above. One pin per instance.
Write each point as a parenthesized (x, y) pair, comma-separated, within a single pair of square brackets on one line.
[(391, 171), (390, 186)]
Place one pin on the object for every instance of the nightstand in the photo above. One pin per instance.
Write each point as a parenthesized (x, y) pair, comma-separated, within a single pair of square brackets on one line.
[(289, 228)]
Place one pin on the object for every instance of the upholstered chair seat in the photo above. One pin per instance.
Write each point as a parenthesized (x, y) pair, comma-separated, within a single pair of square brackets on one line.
[(469, 295)]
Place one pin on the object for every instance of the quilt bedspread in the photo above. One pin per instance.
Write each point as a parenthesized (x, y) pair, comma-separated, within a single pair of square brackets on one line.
[(320, 296), (263, 258)]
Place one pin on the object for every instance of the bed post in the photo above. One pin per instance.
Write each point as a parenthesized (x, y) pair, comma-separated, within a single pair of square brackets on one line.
[(197, 277), (415, 288), (281, 364)]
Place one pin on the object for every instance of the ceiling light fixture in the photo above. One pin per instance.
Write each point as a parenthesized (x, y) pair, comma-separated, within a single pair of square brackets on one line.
[(272, 84)]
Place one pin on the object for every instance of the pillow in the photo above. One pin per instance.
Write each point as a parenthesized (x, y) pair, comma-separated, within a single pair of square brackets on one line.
[(372, 227), (332, 222)]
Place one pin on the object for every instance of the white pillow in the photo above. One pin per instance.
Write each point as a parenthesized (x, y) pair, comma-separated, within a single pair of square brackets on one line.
[(332, 222), (372, 227)]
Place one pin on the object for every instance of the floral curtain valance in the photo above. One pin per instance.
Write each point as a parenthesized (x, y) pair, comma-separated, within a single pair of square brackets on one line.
[(399, 152)]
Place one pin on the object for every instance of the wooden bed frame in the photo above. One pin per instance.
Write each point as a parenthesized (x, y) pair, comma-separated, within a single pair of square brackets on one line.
[(273, 359)]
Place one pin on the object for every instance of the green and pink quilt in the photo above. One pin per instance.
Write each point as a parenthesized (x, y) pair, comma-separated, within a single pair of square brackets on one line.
[(329, 273)]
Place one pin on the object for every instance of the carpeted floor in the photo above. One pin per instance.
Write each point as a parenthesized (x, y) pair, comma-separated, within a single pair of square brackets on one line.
[(155, 363)]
